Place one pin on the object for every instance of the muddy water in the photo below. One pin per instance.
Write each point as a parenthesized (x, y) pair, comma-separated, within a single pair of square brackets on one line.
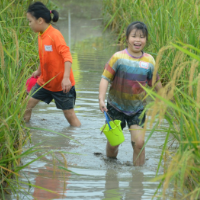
[(93, 175)]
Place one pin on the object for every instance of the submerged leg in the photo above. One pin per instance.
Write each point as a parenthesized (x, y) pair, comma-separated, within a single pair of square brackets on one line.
[(31, 104), (137, 141), (72, 118), (111, 151)]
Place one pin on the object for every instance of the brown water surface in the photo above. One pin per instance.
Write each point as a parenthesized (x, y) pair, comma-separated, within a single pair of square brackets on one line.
[(94, 175)]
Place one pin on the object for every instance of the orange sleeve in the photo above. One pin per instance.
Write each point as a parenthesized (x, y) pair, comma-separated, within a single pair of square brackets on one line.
[(62, 48)]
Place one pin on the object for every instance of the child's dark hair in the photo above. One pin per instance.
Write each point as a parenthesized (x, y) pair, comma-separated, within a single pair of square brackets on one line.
[(139, 26), (38, 9)]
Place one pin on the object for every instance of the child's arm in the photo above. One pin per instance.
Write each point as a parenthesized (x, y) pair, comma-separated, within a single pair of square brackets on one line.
[(66, 83), (103, 86), (158, 86), (37, 72)]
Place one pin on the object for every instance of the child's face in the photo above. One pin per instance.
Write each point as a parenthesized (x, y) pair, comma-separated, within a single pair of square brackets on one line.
[(136, 42), (33, 23)]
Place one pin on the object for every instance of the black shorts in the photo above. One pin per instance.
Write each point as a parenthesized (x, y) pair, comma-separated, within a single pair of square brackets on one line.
[(131, 120), (64, 101)]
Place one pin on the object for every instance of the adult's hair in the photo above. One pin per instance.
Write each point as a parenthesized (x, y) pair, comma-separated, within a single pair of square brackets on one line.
[(138, 26), (38, 9)]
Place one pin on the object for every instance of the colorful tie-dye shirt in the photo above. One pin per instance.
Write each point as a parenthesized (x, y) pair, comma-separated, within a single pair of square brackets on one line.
[(126, 73)]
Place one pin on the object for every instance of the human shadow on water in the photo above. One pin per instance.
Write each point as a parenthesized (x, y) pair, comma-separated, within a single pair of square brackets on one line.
[(114, 186)]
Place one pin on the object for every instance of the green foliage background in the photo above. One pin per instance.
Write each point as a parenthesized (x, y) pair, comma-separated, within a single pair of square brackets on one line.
[(174, 42), (18, 58), (167, 21)]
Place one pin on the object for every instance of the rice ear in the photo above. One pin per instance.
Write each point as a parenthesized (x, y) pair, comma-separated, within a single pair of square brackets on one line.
[(65, 160), (162, 105), (159, 57), (154, 111), (2, 56), (175, 61), (192, 71), (146, 122), (17, 47), (182, 66), (173, 82), (198, 101)]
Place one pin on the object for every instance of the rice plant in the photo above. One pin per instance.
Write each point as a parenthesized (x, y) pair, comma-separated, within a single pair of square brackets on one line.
[(178, 104), (13, 70), (167, 21), (174, 42), (18, 59)]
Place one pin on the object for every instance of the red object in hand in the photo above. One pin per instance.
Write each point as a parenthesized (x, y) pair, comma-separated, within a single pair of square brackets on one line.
[(30, 83)]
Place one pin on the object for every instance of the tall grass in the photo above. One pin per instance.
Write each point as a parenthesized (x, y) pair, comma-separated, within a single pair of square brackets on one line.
[(167, 20), (179, 107), (16, 49), (13, 70), (18, 58), (174, 41)]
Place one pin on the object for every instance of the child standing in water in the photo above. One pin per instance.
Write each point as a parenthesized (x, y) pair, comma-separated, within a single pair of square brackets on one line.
[(125, 71), (54, 71)]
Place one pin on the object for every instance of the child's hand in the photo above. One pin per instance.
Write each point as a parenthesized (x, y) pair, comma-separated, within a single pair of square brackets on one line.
[(36, 73), (102, 106), (66, 85)]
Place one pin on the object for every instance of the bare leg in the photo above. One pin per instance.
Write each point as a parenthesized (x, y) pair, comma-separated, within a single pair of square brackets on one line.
[(72, 118), (137, 141), (31, 104), (111, 151)]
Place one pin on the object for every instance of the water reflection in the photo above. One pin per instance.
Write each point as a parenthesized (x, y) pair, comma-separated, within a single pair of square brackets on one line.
[(54, 181), (135, 188), (115, 188), (112, 186)]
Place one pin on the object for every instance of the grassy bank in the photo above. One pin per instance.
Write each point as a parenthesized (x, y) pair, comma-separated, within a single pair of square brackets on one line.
[(174, 42), (18, 58)]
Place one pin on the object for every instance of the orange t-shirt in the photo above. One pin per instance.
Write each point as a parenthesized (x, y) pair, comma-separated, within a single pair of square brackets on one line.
[(53, 53)]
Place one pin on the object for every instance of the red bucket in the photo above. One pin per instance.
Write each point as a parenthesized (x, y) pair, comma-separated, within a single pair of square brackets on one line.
[(30, 83)]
